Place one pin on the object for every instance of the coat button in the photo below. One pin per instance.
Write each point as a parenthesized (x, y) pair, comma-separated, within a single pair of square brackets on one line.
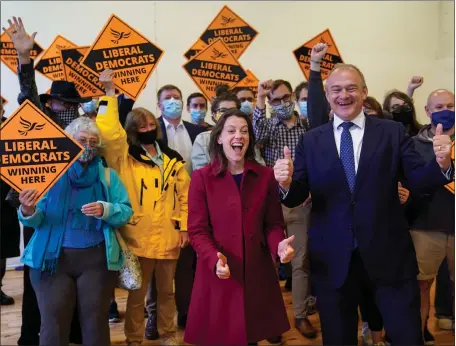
[(350, 229), (353, 202)]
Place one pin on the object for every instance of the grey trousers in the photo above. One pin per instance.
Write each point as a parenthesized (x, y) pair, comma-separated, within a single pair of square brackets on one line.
[(81, 273), (297, 222)]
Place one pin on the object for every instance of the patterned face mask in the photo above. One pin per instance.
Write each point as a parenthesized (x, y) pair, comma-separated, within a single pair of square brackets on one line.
[(67, 116), (283, 111), (88, 154)]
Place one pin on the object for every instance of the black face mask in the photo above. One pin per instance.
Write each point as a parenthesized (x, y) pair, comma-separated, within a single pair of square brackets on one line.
[(148, 137), (403, 114)]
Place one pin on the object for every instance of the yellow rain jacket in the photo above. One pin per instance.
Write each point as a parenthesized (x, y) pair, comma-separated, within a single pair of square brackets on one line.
[(160, 203)]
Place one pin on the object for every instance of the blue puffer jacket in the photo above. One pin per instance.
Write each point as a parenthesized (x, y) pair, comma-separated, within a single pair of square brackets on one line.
[(117, 212)]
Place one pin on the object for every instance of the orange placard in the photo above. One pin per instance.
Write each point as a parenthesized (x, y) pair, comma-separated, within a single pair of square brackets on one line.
[(124, 50), (50, 64), (9, 54), (302, 54), (86, 81), (235, 32), (250, 81), (450, 186), (34, 151), (212, 66)]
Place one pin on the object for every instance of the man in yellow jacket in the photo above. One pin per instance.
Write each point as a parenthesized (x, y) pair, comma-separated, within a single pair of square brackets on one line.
[(157, 184)]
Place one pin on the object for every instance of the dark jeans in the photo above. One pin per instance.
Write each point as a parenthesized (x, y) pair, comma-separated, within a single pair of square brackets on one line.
[(183, 279), (369, 310), (31, 319), (444, 292), (81, 273)]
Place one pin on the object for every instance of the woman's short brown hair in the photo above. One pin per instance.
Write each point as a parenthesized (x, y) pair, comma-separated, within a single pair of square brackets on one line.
[(371, 103), (135, 119), (216, 150)]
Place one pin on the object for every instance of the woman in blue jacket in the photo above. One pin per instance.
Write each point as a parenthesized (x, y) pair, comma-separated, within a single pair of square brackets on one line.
[(74, 251)]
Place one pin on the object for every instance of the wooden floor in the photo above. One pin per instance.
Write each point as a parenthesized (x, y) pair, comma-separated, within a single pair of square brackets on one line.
[(11, 319)]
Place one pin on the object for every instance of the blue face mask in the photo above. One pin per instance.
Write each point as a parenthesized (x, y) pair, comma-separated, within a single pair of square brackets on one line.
[(445, 117), (90, 107), (198, 115), (303, 108), (247, 107), (172, 108)]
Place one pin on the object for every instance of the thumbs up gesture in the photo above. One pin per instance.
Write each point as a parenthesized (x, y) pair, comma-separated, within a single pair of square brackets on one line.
[(442, 148), (283, 169), (221, 268), (285, 251)]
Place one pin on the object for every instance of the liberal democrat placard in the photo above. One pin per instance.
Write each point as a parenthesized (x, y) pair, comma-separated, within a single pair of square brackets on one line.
[(235, 32), (34, 151), (332, 57), (86, 81), (250, 81), (50, 64), (212, 66), (124, 50), (8, 54)]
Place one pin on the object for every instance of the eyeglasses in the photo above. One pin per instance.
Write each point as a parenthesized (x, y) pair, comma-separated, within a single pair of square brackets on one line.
[(91, 143), (278, 101), (243, 99)]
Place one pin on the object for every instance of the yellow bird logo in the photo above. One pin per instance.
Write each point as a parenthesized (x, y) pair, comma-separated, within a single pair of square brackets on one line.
[(119, 35), (29, 126), (217, 54), (227, 20)]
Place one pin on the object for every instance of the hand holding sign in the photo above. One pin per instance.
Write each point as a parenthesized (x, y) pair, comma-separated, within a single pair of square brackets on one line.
[(283, 169), (221, 268), (22, 42), (27, 197), (285, 251), (106, 78), (318, 52), (442, 148)]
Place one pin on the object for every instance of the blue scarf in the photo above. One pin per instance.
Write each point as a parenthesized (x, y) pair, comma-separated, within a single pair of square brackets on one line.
[(59, 203)]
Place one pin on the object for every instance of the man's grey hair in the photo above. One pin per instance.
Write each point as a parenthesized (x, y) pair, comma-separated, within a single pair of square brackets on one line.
[(84, 124)]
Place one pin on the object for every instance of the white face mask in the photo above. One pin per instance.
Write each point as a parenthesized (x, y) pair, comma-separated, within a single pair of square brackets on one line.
[(172, 108)]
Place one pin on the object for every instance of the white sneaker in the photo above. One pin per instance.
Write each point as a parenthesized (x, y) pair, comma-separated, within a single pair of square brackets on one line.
[(169, 341), (445, 323), (367, 337)]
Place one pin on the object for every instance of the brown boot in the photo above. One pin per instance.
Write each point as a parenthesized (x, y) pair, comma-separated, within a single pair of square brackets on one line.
[(304, 326)]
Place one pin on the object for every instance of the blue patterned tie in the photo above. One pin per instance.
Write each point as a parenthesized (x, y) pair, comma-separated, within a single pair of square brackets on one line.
[(348, 160), (346, 154)]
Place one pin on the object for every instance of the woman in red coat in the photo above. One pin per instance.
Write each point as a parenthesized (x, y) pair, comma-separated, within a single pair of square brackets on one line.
[(235, 223)]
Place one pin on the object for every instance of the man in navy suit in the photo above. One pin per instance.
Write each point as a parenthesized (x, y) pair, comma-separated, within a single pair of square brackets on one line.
[(358, 236)]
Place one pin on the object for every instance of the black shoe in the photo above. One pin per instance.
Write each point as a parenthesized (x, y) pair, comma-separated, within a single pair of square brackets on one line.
[(114, 316), (6, 300), (288, 284), (428, 337), (275, 340), (26, 342), (182, 320), (151, 332), (146, 314)]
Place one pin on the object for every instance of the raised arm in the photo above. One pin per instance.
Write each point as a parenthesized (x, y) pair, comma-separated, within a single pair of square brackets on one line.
[(262, 126), (317, 105), (23, 43)]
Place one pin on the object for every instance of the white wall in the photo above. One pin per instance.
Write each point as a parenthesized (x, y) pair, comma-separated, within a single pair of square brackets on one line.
[(389, 41)]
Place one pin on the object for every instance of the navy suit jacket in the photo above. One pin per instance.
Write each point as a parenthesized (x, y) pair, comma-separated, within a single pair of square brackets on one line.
[(192, 129), (372, 214)]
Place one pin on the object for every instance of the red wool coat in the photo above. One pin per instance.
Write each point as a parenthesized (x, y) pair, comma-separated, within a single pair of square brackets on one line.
[(246, 226)]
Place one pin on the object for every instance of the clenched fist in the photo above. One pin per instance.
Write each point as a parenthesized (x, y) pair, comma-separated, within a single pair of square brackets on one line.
[(283, 169), (318, 52), (221, 268)]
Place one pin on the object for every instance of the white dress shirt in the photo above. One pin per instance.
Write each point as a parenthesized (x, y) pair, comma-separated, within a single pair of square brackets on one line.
[(179, 140), (356, 131)]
